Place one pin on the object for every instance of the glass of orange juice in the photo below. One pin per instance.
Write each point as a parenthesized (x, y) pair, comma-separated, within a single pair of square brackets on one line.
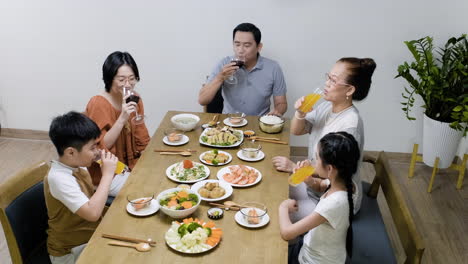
[(300, 175), (121, 167), (310, 100)]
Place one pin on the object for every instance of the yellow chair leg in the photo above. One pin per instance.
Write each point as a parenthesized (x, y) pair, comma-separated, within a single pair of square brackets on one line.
[(434, 171), (414, 156), (461, 173)]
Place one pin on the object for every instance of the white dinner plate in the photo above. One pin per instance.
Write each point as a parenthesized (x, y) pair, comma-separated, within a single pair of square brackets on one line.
[(226, 186), (260, 156), (241, 124), (183, 141), (174, 178), (225, 170), (219, 164), (151, 209), (239, 217), (241, 138), (171, 232)]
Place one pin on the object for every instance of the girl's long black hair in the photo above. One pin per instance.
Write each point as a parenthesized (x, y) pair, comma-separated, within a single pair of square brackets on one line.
[(341, 150)]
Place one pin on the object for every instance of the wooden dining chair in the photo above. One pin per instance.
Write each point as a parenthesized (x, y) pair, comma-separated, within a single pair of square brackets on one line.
[(216, 105), (23, 215), (371, 243)]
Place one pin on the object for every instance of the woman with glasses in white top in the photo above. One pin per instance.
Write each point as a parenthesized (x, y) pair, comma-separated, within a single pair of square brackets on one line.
[(114, 112), (349, 80)]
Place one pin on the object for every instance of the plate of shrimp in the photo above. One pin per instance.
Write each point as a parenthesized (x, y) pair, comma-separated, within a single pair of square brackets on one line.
[(240, 175)]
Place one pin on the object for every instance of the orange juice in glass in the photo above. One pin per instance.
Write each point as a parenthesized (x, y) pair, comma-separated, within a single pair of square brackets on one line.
[(121, 167), (300, 175), (310, 100)]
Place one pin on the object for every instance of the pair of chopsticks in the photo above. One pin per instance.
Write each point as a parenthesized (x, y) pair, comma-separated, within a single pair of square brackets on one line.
[(175, 150), (129, 239), (231, 207), (276, 141)]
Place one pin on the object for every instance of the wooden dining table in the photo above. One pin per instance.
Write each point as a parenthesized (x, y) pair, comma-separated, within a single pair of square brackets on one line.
[(238, 244)]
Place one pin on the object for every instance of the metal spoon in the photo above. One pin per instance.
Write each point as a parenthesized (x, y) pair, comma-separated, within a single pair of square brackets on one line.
[(142, 247), (182, 153)]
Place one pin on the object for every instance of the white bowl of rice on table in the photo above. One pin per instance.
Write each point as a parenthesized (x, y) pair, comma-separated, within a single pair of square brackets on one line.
[(185, 122), (271, 124)]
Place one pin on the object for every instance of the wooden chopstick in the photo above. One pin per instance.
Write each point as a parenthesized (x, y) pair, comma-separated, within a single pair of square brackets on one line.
[(238, 207), (219, 205), (266, 138), (232, 208), (272, 141), (129, 239), (175, 150)]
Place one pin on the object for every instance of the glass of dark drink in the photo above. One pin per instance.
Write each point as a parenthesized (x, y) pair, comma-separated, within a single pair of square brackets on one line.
[(129, 92), (239, 62)]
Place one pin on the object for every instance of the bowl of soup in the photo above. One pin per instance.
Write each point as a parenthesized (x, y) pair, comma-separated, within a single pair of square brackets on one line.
[(185, 122)]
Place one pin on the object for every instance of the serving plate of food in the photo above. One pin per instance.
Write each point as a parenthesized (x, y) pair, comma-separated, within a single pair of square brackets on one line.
[(187, 171), (224, 137), (240, 175), (193, 236), (215, 157), (212, 190)]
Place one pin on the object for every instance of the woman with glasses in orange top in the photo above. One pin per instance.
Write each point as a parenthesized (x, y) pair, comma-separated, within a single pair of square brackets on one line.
[(349, 80), (113, 114)]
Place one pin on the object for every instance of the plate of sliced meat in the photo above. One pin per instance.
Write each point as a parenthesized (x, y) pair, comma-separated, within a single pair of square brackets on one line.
[(240, 175)]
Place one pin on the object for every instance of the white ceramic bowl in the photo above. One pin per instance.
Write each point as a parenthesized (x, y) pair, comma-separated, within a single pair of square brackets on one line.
[(185, 122), (271, 128), (178, 213)]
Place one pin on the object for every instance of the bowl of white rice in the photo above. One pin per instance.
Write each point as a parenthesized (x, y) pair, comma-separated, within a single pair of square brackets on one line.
[(271, 124)]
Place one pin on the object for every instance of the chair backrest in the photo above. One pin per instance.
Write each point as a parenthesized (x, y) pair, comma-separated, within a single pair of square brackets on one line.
[(23, 214), (409, 237), (216, 105)]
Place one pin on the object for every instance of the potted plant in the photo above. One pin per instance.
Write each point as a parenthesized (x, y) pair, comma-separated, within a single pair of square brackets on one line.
[(440, 77)]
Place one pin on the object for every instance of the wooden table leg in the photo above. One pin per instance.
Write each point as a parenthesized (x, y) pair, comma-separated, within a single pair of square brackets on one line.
[(461, 173), (434, 171), (414, 156)]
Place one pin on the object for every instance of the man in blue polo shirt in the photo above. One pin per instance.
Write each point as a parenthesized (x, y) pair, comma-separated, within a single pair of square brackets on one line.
[(256, 81)]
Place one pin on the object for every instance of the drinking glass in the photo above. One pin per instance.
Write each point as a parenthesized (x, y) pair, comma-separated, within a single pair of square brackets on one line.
[(300, 175), (133, 97), (310, 100), (239, 61)]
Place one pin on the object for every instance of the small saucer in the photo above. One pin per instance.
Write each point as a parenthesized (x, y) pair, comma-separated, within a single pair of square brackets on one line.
[(241, 221), (183, 141), (241, 124), (151, 209), (205, 126), (260, 156), (215, 213)]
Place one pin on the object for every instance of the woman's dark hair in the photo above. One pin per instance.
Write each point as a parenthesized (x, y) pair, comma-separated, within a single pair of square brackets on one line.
[(72, 129), (360, 74), (341, 151), (112, 64), (248, 27)]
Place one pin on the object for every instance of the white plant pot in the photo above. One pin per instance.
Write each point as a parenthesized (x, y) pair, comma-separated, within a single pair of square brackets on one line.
[(439, 140)]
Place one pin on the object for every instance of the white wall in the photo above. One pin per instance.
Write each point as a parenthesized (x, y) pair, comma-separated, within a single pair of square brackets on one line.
[(52, 52)]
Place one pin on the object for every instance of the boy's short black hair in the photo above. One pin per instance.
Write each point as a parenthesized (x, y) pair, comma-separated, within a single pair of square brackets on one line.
[(248, 27), (72, 129)]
